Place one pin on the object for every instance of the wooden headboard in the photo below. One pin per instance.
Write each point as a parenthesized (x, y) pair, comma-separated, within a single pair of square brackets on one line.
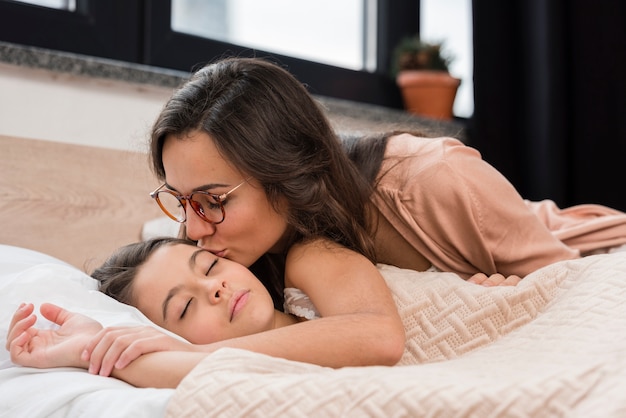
[(76, 203)]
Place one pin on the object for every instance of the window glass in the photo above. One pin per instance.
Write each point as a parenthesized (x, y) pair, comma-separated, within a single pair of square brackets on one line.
[(327, 31), (451, 21), (53, 4)]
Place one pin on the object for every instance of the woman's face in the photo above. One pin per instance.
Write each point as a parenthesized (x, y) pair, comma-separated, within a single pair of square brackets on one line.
[(251, 227), (201, 297)]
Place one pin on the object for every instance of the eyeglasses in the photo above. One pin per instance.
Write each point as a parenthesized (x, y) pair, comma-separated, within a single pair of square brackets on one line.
[(208, 206)]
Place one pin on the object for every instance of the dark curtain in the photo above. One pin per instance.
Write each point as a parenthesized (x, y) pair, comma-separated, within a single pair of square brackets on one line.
[(550, 97)]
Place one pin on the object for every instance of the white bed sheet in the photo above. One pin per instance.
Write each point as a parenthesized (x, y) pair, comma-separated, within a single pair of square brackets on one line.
[(29, 276)]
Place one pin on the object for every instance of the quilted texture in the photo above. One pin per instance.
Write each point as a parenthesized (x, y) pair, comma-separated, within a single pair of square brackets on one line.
[(554, 346), (445, 317)]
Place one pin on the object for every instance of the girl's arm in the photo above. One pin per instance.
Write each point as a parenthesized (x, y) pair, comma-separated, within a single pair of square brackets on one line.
[(161, 369), (63, 347)]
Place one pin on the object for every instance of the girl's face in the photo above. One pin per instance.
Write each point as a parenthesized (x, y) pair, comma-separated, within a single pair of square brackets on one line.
[(202, 297), (251, 228)]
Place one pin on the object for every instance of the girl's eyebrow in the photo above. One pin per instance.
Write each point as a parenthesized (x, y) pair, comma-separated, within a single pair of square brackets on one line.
[(194, 256), (174, 291)]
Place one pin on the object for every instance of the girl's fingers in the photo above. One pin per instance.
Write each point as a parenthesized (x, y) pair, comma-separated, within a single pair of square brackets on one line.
[(93, 343), (21, 312), (19, 327), (106, 351)]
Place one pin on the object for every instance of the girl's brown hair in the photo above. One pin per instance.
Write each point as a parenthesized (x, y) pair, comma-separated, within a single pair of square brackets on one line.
[(117, 273)]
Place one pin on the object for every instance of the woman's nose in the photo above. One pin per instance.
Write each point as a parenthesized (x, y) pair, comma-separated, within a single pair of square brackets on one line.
[(197, 228)]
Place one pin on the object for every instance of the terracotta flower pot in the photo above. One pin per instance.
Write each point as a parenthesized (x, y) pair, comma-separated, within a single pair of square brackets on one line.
[(428, 93)]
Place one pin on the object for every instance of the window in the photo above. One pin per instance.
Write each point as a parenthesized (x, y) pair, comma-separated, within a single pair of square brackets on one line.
[(109, 29), (327, 31), (69, 5), (451, 21), (338, 48)]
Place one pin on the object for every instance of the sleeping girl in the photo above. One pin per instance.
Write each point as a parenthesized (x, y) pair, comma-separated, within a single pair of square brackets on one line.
[(211, 302)]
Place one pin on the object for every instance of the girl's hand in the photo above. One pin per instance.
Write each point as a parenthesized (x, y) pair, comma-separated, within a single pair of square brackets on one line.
[(116, 347), (40, 348), (494, 280)]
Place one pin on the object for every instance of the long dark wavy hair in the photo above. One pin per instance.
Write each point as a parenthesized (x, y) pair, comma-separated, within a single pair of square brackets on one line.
[(265, 122)]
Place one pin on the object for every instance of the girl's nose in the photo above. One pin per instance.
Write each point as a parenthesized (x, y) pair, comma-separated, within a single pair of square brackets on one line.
[(216, 290), (196, 227)]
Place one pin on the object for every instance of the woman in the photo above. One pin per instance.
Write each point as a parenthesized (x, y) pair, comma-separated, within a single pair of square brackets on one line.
[(428, 202)]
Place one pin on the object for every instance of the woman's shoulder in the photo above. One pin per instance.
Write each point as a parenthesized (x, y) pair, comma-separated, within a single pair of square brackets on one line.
[(315, 247), (407, 156), (321, 256), (416, 146)]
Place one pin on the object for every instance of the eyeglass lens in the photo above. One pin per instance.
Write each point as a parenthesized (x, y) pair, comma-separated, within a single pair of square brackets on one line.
[(204, 205)]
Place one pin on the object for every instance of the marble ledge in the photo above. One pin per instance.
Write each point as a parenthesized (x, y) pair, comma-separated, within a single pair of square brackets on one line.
[(347, 116)]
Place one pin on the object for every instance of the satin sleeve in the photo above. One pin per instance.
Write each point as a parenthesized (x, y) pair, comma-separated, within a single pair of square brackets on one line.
[(460, 212)]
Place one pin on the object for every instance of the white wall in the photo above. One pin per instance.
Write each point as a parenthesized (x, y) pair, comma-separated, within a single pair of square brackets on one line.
[(42, 104)]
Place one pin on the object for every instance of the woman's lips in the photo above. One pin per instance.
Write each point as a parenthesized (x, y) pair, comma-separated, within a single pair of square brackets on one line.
[(237, 302), (220, 253)]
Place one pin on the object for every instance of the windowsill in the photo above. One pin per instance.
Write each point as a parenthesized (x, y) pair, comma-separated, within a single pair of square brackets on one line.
[(82, 65), (346, 116)]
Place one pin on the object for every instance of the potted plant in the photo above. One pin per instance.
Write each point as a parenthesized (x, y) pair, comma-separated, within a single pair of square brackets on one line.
[(421, 71)]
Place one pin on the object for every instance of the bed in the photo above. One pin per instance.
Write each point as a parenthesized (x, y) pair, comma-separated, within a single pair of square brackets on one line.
[(552, 346)]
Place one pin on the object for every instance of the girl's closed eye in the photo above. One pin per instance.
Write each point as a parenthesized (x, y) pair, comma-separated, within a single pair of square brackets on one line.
[(211, 266), (188, 304), (182, 314)]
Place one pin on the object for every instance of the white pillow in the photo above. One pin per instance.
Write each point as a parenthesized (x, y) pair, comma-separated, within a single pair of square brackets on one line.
[(30, 276)]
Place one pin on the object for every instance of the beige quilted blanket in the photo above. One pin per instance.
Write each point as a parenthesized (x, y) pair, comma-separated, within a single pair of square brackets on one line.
[(554, 346)]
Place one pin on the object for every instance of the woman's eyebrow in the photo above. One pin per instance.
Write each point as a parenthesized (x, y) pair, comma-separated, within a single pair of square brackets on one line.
[(202, 188)]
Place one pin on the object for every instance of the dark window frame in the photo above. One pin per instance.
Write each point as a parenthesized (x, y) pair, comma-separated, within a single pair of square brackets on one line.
[(108, 29), (139, 31)]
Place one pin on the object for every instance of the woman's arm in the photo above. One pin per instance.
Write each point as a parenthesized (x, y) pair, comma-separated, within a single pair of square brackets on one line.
[(360, 324)]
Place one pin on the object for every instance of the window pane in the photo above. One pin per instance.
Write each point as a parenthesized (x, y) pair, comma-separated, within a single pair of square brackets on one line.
[(451, 21), (327, 31), (53, 4)]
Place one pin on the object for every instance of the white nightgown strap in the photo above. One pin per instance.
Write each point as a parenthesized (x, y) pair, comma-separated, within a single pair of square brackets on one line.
[(298, 303)]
